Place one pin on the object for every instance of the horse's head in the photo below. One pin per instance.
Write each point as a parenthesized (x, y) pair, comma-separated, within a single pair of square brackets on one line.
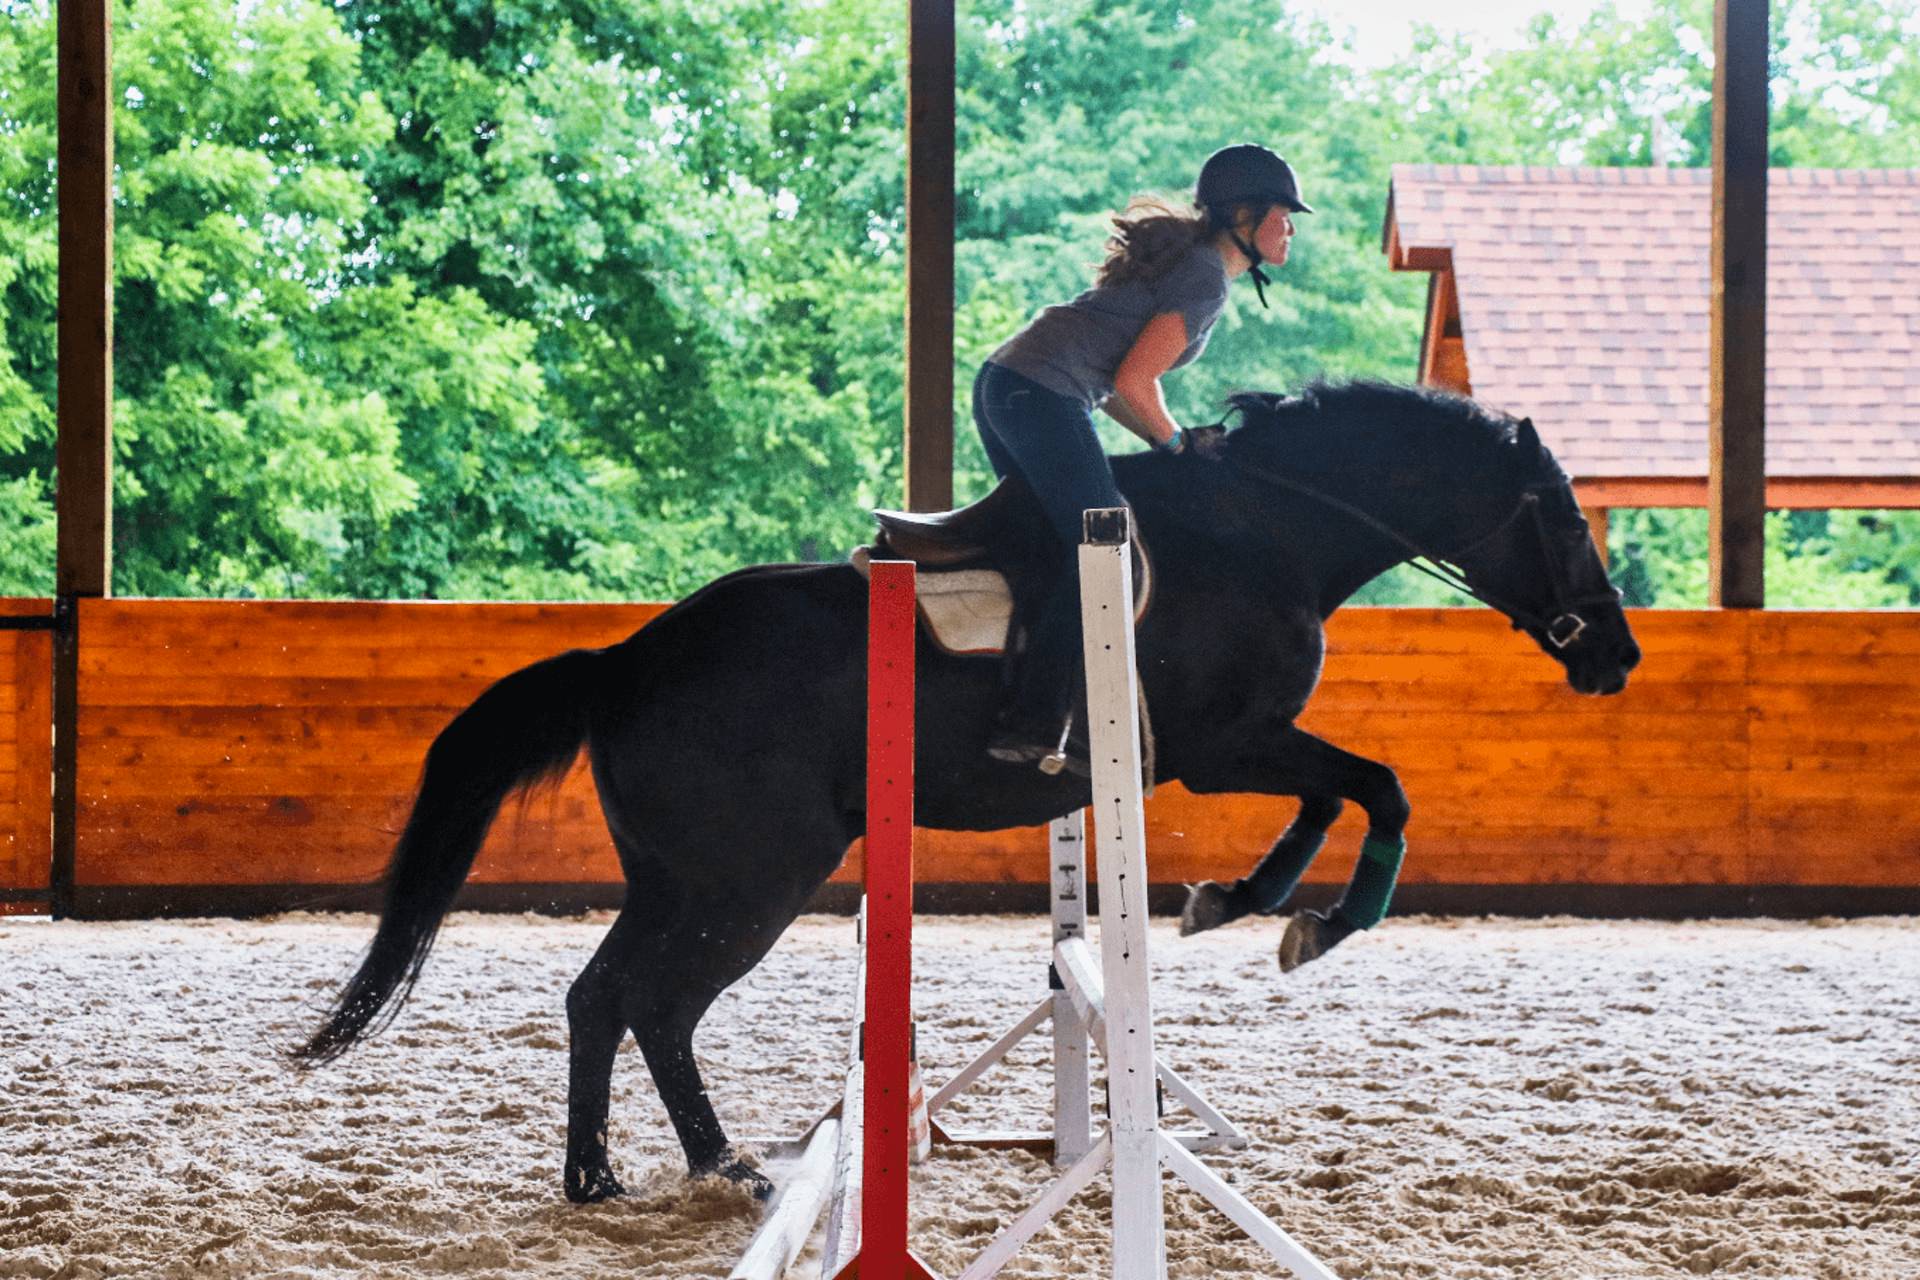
[(1394, 471), (1540, 567)]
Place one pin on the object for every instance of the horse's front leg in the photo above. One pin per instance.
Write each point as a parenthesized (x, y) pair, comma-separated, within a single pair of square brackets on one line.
[(1295, 762), (1265, 889)]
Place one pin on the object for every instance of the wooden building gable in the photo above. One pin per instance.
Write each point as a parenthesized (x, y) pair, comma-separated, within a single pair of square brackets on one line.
[(1579, 296)]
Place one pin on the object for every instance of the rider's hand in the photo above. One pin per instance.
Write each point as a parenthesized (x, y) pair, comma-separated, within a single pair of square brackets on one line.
[(1207, 442)]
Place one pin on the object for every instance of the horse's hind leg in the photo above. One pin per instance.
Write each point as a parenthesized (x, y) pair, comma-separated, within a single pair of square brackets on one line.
[(596, 1023), (710, 950), (674, 949)]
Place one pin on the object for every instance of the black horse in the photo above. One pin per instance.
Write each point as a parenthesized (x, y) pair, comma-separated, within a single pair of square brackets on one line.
[(727, 737)]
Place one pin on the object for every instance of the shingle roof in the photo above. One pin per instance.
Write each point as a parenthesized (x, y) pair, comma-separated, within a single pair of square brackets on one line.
[(1584, 303)]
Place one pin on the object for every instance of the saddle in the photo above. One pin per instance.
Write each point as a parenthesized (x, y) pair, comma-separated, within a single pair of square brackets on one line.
[(981, 566)]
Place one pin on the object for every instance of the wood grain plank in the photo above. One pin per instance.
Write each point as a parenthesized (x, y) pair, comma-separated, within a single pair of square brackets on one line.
[(246, 748), (235, 764), (396, 661), (1466, 695), (1623, 725), (1871, 633), (1817, 669), (105, 692), (31, 741), (319, 722)]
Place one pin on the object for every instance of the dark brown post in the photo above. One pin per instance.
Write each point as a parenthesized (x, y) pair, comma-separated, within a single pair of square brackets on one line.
[(929, 427), (84, 476), (1737, 398)]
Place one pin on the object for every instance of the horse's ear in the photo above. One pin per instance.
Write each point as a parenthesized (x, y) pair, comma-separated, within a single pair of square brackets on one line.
[(1527, 438)]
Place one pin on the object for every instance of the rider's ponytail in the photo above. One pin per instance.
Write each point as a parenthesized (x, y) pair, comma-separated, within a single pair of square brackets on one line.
[(1149, 236)]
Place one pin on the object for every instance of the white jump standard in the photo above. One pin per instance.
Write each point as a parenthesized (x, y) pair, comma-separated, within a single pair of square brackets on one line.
[(1104, 1004), (1135, 1146), (1074, 1008)]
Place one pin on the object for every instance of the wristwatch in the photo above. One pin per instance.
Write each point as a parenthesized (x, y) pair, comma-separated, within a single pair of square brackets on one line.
[(1175, 443)]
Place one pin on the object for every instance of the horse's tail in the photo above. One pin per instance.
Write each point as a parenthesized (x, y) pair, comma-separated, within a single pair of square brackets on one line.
[(526, 728)]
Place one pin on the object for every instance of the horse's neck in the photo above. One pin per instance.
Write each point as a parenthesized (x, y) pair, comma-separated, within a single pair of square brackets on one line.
[(1340, 553), (1323, 554), (1343, 562)]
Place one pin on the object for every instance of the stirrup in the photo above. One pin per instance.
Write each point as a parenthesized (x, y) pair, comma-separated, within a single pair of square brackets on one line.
[(1055, 761)]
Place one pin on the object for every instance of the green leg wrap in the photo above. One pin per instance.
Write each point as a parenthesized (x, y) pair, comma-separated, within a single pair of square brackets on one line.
[(1364, 904)]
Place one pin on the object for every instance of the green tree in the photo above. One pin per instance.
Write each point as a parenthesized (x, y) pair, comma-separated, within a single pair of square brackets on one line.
[(603, 297), (28, 285), (1815, 559), (265, 397), (1844, 88)]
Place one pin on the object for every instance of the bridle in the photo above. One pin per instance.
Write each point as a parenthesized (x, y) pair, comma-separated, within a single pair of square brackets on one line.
[(1562, 630)]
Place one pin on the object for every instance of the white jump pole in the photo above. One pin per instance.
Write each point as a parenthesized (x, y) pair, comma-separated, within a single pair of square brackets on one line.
[(791, 1217), (1139, 1145)]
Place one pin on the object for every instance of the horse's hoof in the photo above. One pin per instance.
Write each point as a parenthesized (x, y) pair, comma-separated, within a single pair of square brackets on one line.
[(745, 1176), (756, 1183), (1307, 938), (590, 1184), (1207, 908), (738, 1170)]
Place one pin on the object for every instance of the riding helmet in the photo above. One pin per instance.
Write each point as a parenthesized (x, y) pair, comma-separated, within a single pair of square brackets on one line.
[(1248, 172)]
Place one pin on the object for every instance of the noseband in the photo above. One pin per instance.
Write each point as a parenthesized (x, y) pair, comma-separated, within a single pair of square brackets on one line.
[(1566, 626), (1562, 630)]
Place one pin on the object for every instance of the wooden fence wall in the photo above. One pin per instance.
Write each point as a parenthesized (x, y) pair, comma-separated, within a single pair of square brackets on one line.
[(26, 754), (276, 744)]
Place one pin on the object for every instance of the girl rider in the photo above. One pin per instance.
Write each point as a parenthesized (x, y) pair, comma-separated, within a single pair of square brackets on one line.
[(1152, 304)]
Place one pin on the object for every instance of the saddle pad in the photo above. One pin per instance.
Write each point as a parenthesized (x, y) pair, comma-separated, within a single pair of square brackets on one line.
[(967, 612)]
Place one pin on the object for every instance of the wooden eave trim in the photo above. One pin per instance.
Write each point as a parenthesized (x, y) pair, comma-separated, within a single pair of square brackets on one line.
[(1404, 257), (1443, 305), (1783, 492), (1424, 257), (1429, 329)]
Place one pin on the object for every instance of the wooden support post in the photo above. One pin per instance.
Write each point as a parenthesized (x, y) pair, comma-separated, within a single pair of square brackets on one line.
[(84, 452), (1597, 523), (1737, 397), (929, 425)]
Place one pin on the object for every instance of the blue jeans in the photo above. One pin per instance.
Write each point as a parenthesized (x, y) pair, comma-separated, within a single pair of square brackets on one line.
[(1048, 440)]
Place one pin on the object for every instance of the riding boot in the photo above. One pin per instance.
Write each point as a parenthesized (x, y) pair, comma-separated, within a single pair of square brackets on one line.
[(1036, 723)]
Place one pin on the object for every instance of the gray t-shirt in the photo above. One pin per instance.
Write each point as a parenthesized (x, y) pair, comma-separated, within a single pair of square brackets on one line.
[(1076, 347)]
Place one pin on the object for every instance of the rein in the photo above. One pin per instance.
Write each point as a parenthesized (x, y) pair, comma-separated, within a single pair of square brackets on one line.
[(1561, 630)]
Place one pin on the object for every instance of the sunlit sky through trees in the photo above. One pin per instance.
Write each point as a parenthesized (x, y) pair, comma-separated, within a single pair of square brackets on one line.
[(1384, 31)]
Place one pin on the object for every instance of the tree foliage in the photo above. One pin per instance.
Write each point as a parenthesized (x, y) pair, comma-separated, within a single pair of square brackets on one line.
[(600, 298)]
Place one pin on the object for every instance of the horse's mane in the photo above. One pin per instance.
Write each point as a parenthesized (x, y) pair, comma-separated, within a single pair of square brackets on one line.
[(1327, 423)]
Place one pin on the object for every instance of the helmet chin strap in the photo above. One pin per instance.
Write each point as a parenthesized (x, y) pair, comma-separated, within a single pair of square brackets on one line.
[(1260, 281)]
